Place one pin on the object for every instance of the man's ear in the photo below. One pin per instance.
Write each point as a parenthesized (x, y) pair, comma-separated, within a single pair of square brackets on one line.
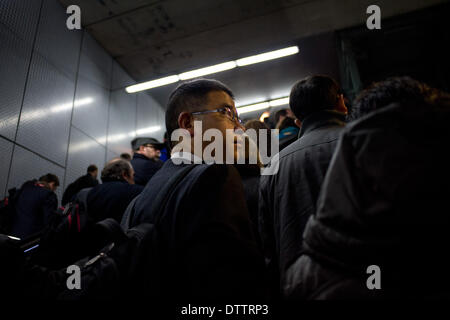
[(298, 123), (185, 121), (127, 177), (340, 105)]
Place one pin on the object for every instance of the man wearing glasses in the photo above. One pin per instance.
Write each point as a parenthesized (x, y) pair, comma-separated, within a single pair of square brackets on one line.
[(205, 220), (145, 160)]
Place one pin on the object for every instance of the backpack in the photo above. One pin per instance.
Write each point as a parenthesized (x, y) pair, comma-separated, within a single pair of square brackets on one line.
[(69, 235), (131, 266)]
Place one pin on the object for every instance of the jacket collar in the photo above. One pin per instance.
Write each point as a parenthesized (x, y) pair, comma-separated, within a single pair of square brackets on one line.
[(140, 156), (322, 119)]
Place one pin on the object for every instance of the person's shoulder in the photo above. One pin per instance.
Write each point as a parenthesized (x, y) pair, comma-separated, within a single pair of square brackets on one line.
[(48, 194), (135, 188), (215, 171)]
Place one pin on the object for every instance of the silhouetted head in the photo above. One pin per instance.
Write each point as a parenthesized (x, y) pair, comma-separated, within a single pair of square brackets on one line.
[(50, 181), (118, 170), (316, 93)]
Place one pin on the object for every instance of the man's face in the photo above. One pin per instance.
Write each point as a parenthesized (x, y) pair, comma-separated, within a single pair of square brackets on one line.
[(150, 151), (94, 174), (220, 121)]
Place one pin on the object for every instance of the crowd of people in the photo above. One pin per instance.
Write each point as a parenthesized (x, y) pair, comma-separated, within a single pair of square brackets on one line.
[(354, 187)]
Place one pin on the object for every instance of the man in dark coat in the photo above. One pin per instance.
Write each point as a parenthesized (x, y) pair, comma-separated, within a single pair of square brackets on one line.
[(381, 227), (111, 198), (288, 198), (145, 160), (35, 206), (89, 180), (206, 229)]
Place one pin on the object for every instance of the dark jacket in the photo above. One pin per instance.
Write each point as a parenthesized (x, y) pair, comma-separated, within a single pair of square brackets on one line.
[(250, 175), (34, 208), (288, 198), (384, 202), (144, 168), (86, 181), (207, 232), (110, 199)]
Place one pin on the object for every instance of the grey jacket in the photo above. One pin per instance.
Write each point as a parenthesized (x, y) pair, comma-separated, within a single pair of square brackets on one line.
[(288, 198)]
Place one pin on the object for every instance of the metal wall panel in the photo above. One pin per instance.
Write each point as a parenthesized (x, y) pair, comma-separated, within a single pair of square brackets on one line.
[(59, 45), (150, 115), (27, 165), (46, 98), (46, 111), (5, 160), (120, 78), (122, 121), (21, 17), (83, 151), (95, 63), (15, 55), (91, 109), (111, 155)]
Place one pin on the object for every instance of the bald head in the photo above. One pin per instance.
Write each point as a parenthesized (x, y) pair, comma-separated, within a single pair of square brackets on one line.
[(118, 169)]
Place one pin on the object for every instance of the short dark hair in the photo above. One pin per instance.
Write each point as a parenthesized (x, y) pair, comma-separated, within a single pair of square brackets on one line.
[(312, 94), (49, 178), (92, 168), (257, 125), (279, 113), (125, 156), (114, 170), (189, 96), (286, 123), (391, 90)]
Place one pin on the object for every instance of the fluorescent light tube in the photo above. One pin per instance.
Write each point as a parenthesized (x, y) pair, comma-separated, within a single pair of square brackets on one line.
[(267, 56), (152, 84), (253, 107), (208, 70), (279, 102), (262, 105), (213, 69)]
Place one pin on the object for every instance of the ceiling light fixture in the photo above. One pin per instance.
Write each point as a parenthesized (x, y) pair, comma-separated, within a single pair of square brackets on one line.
[(267, 56), (279, 102), (152, 84), (253, 107), (208, 70), (213, 69), (262, 105)]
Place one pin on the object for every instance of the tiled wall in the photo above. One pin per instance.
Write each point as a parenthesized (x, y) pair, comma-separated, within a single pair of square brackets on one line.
[(62, 100)]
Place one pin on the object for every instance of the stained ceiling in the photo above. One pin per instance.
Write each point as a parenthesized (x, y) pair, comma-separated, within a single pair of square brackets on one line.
[(157, 38)]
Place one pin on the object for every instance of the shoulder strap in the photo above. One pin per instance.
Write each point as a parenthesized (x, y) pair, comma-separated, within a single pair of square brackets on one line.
[(82, 197), (128, 214), (109, 229)]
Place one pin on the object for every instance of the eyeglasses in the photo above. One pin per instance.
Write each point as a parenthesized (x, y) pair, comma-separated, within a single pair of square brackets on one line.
[(227, 111)]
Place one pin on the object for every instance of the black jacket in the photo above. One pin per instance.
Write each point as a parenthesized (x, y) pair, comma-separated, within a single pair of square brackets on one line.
[(110, 199), (144, 168), (207, 233), (86, 181), (384, 202), (34, 208), (250, 175), (288, 198)]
